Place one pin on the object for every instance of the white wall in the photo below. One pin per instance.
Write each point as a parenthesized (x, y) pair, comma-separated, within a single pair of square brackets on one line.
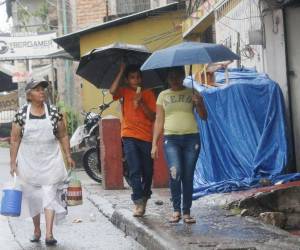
[(242, 18), (275, 60), (158, 3), (275, 54)]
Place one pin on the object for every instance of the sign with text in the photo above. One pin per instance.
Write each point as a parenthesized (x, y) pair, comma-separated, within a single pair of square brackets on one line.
[(27, 47), (9, 101)]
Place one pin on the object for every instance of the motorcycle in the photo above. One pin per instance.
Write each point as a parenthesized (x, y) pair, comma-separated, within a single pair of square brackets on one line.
[(87, 135)]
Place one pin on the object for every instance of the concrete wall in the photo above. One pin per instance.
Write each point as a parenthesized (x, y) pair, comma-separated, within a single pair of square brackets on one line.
[(275, 63), (292, 15), (274, 53)]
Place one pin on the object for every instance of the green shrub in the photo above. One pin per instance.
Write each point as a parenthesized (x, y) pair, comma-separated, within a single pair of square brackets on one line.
[(72, 117)]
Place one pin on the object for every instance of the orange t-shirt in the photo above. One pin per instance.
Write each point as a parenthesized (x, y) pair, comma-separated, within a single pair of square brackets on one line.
[(135, 123)]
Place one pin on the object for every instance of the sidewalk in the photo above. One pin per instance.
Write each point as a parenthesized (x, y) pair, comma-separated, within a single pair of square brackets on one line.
[(216, 228), (6, 237)]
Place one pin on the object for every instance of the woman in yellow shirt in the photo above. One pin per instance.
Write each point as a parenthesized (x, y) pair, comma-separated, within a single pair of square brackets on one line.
[(175, 118)]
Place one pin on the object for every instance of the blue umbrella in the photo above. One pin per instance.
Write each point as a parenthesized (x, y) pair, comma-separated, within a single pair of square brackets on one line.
[(188, 53)]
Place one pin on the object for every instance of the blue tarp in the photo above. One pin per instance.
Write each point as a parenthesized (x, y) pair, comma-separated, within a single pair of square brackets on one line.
[(244, 138)]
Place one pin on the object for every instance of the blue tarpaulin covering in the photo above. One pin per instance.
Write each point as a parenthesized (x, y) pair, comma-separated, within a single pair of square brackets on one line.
[(244, 138)]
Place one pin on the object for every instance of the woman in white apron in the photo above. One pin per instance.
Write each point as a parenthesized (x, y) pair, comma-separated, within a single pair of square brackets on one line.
[(37, 159)]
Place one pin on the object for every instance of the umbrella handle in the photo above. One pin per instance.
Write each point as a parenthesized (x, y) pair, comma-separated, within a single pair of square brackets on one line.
[(92, 51), (90, 54), (191, 74), (226, 76), (124, 59)]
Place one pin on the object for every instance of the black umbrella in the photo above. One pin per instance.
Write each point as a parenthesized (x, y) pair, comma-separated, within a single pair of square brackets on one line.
[(100, 66)]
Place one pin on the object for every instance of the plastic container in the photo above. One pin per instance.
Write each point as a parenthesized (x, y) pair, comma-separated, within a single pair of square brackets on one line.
[(11, 200), (74, 196)]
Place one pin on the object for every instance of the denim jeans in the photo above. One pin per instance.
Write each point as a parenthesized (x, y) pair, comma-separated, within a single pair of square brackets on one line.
[(181, 153), (140, 167)]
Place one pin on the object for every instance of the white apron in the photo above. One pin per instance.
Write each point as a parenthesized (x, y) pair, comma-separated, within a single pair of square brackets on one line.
[(41, 168), (40, 160)]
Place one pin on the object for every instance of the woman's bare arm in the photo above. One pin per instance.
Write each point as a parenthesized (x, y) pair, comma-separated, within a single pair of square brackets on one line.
[(116, 83), (15, 140), (200, 106), (158, 129), (64, 141)]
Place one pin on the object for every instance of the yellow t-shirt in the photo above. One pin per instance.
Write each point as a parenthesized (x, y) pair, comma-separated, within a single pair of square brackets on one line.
[(179, 116)]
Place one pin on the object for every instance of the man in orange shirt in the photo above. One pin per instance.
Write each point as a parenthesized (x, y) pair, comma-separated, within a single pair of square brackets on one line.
[(138, 108)]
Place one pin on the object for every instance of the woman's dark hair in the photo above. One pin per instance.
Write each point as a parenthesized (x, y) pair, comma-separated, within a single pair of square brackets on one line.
[(132, 68), (178, 70)]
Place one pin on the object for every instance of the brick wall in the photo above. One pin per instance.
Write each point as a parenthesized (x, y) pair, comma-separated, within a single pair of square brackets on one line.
[(90, 12)]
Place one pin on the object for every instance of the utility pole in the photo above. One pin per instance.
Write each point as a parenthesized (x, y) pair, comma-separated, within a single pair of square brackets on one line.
[(68, 66), (21, 69), (106, 5), (238, 49)]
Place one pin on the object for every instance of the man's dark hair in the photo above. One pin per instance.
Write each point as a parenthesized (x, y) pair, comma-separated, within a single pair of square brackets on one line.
[(132, 68)]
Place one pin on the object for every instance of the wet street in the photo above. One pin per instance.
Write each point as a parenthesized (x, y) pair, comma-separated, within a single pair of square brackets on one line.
[(94, 232)]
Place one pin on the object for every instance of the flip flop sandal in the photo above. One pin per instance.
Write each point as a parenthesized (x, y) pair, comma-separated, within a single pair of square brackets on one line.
[(50, 242), (175, 218), (35, 238), (189, 220)]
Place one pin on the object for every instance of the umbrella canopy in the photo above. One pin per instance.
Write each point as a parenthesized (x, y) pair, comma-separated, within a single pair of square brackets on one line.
[(100, 66), (188, 53)]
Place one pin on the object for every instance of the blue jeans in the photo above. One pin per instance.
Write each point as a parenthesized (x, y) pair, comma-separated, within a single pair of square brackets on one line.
[(181, 153), (140, 167)]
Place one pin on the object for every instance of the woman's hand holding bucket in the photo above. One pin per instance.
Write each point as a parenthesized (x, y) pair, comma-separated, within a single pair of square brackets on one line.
[(71, 162), (13, 168)]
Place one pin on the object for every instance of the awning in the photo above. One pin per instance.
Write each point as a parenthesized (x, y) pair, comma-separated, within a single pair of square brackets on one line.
[(197, 25), (201, 18), (61, 54)]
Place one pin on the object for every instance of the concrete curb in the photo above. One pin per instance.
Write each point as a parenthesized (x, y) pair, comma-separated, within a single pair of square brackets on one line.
[(150, 239), (123, 219)]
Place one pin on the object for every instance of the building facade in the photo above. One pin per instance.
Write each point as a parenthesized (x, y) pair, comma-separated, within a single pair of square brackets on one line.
[(33, 17), (265, 35), (165, 23)]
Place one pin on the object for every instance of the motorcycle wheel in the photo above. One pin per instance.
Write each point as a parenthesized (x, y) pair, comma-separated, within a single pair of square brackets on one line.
[(91, 164)]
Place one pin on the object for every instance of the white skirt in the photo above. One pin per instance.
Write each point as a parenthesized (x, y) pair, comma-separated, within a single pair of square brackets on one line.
[(37, 198)]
